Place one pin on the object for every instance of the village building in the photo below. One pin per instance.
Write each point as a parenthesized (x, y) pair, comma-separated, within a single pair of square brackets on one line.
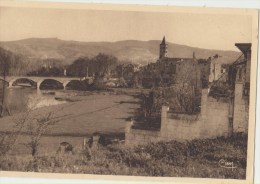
[(225, 100), (169, 70)]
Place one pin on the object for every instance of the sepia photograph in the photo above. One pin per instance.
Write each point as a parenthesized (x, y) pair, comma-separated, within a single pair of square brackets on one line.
[(128, 90)]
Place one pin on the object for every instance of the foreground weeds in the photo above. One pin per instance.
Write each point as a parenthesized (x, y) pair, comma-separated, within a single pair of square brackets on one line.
[(198, 158)]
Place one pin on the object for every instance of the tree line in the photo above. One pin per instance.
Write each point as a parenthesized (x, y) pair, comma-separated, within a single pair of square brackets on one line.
[(18, 65), (99, 65)]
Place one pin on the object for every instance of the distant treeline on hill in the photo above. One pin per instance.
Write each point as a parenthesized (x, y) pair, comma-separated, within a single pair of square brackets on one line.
[(17, 65), (12, 64), (100, 65)]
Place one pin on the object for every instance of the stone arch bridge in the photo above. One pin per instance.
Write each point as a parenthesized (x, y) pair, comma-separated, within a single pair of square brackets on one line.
[(37, 81)]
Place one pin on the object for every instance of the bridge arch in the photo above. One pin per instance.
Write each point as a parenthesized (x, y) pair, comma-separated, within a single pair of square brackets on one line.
[(22, 81), (50, 84), (74, 84)]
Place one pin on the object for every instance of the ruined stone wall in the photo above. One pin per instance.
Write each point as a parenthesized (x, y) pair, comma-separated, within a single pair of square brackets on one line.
[(180, 127), (137, 137), (241, 109), (214, 116), (211, 122)]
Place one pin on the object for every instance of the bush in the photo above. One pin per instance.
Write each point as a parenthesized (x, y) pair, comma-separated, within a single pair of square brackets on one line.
[(197, 158)]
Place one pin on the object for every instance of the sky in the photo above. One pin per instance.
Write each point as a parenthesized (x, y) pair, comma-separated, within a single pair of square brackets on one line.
[(212, 31)]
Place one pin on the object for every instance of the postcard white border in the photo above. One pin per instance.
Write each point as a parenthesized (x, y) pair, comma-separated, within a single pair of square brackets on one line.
[(143, 8)]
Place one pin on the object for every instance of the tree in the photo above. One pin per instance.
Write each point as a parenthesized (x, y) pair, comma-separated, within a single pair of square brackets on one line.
[(8, 140), (186, 97), (35, 124), (150, 108), (119, 70), (104, 64), (187, 87), (121, 82), (98, 82), (100, 65), (5, 60), (37, 127), (147, 105), (79, 68)]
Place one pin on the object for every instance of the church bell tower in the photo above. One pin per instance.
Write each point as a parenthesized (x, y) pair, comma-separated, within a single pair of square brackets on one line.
[(163, 49)]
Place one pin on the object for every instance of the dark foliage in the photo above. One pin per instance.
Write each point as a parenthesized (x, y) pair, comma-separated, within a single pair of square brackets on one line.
[(47, 71)]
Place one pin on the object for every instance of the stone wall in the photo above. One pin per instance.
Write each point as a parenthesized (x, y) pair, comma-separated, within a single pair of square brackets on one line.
[(248, 66), (136, 136), (215, 115), (241, 109), (214, 120)]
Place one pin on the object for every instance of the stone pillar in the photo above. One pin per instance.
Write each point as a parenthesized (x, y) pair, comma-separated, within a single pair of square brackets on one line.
[(64, 85), (38, 85), (203, 106), (95, 144), (10, 84), (84, 145), (128, 127), (240, 121), (231, 115), (164, 121)]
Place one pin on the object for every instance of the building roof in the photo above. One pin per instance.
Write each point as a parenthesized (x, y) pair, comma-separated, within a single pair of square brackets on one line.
[(168, 59), (163, 41), (223, 60), (244, 47)]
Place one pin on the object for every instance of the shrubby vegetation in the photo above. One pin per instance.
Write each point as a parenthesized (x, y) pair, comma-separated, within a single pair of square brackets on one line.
[(197, 158), (180, 99), (50, 71), (12, 64), (82, 67), (19, 65), (101, 65)]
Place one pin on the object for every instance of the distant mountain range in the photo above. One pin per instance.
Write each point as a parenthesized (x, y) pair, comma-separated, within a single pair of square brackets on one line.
[(126, 51)]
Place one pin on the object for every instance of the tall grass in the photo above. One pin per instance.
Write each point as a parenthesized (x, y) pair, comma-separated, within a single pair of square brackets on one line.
[(197, 158)]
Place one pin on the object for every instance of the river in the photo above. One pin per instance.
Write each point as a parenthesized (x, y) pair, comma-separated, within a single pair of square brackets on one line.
[(19, 99)]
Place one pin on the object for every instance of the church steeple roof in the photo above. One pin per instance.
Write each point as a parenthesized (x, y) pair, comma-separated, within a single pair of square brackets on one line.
[(163, 41)]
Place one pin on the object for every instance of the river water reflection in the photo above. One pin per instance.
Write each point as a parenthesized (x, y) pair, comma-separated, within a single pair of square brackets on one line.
[(19, 99)]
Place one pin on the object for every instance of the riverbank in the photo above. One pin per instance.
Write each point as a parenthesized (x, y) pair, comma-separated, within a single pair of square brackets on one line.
[(85, 113), (107, 112), (87, 107)]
